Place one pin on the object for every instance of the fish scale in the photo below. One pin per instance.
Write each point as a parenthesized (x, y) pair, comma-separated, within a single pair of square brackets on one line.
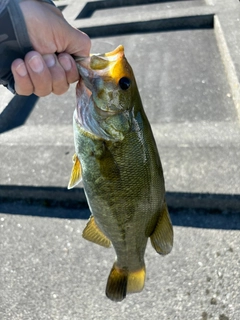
[(118, 162)]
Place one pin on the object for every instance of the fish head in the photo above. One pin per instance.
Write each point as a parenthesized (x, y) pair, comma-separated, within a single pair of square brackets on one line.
[(110, 89), (110, 79)]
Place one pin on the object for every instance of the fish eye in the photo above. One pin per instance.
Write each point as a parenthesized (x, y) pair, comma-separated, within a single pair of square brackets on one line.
[(124, 83)]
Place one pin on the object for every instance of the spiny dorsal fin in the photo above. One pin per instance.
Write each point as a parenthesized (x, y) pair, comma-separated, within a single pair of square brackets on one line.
[(162, 237), (94, 234), (76, 174)]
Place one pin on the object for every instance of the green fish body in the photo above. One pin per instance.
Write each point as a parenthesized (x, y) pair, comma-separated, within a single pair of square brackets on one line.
[(118, 162)]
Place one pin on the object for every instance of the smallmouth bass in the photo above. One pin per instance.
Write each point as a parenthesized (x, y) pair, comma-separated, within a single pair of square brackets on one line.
[(117, 159)]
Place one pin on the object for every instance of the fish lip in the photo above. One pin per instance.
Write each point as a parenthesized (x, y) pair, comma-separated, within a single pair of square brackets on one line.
[(103, 113), (106, 113), (85, 72)]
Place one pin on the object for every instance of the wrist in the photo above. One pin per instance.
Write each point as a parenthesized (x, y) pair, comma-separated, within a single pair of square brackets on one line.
[(47, 1)]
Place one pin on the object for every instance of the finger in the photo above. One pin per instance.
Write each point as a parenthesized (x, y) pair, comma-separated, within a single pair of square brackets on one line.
[(59, 79), (69, 66), (39, 73), (23, 83)]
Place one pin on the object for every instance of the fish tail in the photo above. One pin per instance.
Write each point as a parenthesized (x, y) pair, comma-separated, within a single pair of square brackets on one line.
[(116, 289), (120, 282), (136, 280)]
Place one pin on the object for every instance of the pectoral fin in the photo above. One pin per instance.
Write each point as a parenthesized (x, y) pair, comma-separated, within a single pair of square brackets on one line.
[(162, 236), (76, 174), (94, 234)]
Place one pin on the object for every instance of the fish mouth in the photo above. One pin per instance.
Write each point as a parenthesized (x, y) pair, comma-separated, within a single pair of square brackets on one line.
[(85, 95), (85, 113), (106, 113), (100, 61), (100, 74), (98, 100), (107, 66)]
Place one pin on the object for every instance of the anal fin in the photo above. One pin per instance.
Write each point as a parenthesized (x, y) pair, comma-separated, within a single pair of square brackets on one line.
[(162, 236), (76, 174), (94, 234)]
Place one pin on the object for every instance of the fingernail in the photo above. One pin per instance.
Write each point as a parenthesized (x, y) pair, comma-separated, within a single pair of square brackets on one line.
[(36, 64), (65, 63), (49, 60), (21, 70)]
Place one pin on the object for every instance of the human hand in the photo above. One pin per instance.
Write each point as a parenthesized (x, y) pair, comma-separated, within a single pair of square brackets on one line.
[(42, 71)]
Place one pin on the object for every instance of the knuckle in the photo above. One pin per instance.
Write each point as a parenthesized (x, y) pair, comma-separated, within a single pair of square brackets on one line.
[(58, 90), (26, 90), (23, 93), (73, 76), (42, 93)]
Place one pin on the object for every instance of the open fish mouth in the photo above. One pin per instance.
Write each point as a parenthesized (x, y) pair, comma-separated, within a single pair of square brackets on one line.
[(100, 61), (101, 66), (84, 95), (103, 98), (101, 74), (86, 111)]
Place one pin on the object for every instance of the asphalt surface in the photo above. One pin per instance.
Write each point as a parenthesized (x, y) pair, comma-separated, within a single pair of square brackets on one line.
[(49, 272), (185, 55)]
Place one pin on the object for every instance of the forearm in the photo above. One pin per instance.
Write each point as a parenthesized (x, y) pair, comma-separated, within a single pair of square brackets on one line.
[(14, 39)]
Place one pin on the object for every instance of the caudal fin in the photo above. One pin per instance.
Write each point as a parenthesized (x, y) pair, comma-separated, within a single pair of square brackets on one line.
[(120, 282)]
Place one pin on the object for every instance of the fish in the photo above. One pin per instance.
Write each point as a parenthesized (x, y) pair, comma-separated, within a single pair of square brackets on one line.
[(117, 160)]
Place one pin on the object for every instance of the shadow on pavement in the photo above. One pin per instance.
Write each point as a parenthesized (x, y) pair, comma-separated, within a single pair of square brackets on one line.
[(204, 218), (16, 112), (160, 25), (188, 210), (90, 7)]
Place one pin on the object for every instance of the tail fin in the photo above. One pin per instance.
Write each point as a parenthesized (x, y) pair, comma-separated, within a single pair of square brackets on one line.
[(136, 280), (120, 282)]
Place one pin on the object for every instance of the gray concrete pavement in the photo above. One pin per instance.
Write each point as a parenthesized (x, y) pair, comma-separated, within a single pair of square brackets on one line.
[(185, 55)]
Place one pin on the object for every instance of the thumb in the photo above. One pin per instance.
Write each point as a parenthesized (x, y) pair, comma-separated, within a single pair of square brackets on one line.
[(59, 36), (78, 43)]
